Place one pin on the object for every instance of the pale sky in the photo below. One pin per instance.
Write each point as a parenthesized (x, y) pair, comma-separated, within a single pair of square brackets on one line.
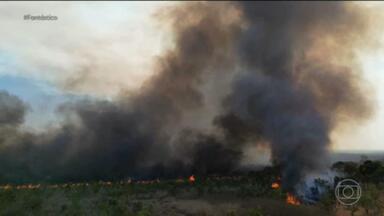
[(38, 58), (369, 135)]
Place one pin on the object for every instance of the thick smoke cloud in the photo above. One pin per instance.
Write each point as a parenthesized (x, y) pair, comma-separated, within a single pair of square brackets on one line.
[(293, 91), (240, 73), (134, 136), (12, 109)]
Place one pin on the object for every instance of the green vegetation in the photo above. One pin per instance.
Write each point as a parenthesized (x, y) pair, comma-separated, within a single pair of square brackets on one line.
[(238, 195), (370, 175)]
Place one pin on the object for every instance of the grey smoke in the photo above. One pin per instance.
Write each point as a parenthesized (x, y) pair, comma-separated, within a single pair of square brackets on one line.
[(185, 120), (12, 109), (288, 99)]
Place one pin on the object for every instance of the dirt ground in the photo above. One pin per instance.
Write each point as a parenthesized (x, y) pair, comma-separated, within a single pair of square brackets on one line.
[(219, 205)]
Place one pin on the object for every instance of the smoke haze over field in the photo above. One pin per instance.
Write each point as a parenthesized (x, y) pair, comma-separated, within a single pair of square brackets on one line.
[(254, 73)]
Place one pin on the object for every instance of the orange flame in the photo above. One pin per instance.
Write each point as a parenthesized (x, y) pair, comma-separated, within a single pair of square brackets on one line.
[(292, 200), (191, 178), (275, 185)]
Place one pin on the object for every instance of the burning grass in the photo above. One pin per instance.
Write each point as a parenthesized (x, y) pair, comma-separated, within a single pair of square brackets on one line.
[(211, 194), (194, 195), (275, 185), (244, 194), (292, 200)]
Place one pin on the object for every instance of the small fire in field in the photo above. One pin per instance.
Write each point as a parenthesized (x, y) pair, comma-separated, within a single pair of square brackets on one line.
[(275, 185), (291, 199), (191, 178)]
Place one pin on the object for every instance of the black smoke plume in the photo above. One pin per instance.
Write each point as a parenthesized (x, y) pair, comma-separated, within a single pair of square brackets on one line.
[(240, 73), (292, 91)]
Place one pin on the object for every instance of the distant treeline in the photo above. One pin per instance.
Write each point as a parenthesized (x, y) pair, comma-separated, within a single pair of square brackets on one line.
[(367, 171)]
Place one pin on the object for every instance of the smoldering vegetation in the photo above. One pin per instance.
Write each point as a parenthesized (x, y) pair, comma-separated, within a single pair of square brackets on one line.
[(279, 73)]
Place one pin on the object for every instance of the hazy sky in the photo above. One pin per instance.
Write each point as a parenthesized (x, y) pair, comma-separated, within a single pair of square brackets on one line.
[(48, 62)]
